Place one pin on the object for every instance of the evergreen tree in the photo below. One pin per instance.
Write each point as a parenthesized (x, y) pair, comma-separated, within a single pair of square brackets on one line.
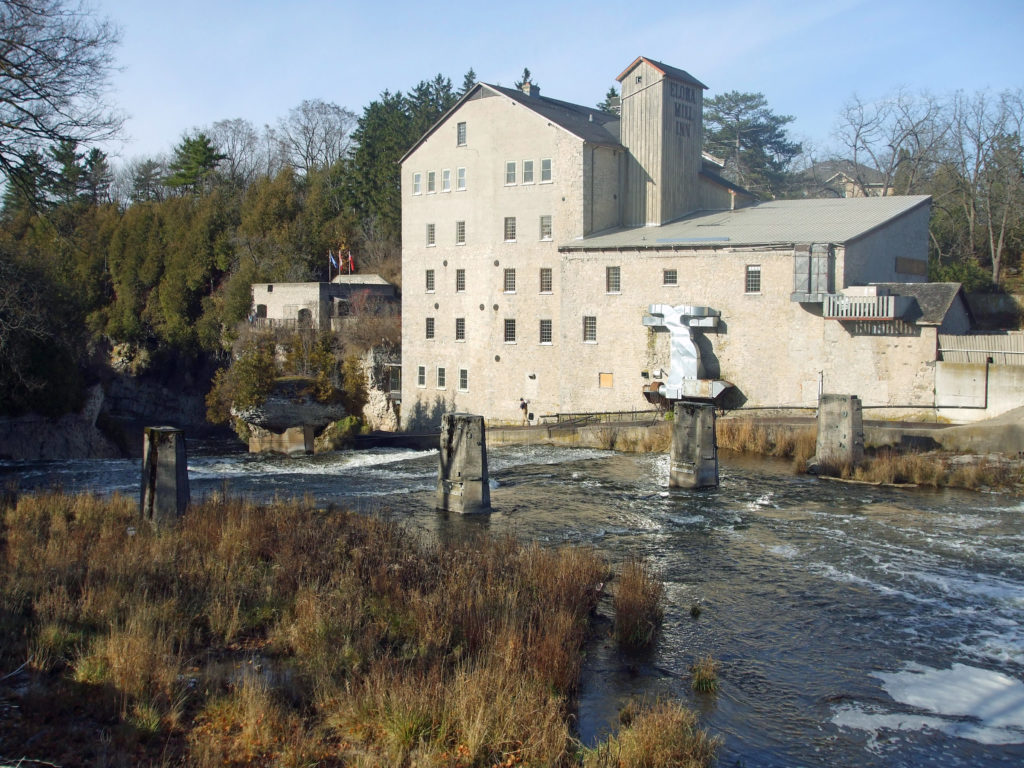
[(194, 163), (525, 78), (468, 81), (611, 103)]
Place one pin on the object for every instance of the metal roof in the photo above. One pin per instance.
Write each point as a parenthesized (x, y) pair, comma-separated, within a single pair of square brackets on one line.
[(777, 222), (665, 69), (933, 299), (589, 123)]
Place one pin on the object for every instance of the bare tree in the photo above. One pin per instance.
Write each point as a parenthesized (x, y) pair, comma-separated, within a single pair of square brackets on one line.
[(242, 148), (55, 61), (316, 134)]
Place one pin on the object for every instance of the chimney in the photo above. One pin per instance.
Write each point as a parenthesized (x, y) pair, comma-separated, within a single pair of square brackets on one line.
[(530, 89)]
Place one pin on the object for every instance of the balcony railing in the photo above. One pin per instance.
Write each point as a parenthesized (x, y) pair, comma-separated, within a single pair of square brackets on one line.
[(841, 307)]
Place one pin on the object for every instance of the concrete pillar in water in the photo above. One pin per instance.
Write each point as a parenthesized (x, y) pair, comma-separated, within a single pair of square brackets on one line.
[(694, 452), (462, 482), (840, 431), (165, 492)]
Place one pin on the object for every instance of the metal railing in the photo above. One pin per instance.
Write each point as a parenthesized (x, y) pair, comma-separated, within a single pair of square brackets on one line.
[(840, 307), (604, 417)]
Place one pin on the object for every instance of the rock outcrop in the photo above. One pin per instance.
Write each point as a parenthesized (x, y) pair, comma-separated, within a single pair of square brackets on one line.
[(72, 436)]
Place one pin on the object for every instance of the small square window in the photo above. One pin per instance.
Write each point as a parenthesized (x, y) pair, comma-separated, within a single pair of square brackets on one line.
[(421, 376), (545, 169), (417, 180), (612, 280), (460, 233), (460, 329), (460, 134), (430, 281), (545, 331), (510, 281), (669, 277), (510, 330), (430, 234), (545, 279), (510, 172), (431, 181), (440, 378), (463, 379), (460, 280), (446, 180), (527, 171), (430, 327), (460, 178), (606, 380), (510, 229), (545, 227), (590, 329), (753, 280)]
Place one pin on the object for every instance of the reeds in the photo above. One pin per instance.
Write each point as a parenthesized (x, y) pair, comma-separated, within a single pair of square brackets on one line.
[(665, 734), (638, 605), (779, 440), (705, 675)]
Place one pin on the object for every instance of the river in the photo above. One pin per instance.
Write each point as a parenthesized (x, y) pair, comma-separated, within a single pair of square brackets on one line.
[(855, 625)]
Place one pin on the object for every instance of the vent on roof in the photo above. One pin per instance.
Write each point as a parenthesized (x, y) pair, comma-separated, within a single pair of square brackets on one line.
[(530, 89)]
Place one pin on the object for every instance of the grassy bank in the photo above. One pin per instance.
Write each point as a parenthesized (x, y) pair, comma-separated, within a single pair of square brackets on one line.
[(283, 635)]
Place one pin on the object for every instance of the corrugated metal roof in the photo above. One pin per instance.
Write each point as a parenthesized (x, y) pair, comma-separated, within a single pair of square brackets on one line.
[(1002, 348), (829, 220)]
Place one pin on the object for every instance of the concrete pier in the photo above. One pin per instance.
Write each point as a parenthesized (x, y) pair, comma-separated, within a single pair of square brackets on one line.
[(840, 431), (694, 452), (294, 441), (165, 492), (462, 481)]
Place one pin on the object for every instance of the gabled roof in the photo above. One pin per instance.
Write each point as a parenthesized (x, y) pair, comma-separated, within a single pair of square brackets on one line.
[(665, 69), (933, 299), (777, 222), (588, 123)]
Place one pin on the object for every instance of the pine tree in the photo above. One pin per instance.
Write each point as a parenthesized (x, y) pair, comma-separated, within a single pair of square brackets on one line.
[(194, 163)]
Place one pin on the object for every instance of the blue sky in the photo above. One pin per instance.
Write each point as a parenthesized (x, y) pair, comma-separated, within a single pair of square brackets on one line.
[(186, 64)]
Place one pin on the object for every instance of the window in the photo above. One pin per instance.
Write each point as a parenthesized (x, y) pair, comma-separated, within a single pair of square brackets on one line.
[(545, 279), (431, 181), (416, 181), (510, 229), (669, 277), (430, 234), (590, 329), (460, 329), (612, 280), (440, 377), (545, 331), (545, 169), (510, 281), (446, 180), (605, 380), (545, 227), (460, 178), (460, 280), (463, 379), (421, 376), (527, 171), (510, 172), (430, 327), (430, 281), (753, 281), (460, 135), (460, 233), (510, 331)]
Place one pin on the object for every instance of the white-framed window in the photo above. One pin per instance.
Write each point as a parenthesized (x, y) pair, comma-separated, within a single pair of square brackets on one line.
[(590, 329), (460, 281), (430, 280), (430, 328), (545, 280), (752, 283), (545, 227), (510, 173), (460, 329), (510, 229), (460, 233), (545, 332), (446, 180), (545, 169), (510, 281), (669, 277), (440, 377), (431, 182), (613, 280), (460, 134), (431, 233), (463, 379), (527, 171), (417, 181), (510, 330), (460, 179), (421, 376)]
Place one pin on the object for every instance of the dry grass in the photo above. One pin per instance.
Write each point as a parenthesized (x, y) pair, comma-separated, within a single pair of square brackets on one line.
[(705, 675), (665, 734), (638, 606), (780, 440), (934, 470)]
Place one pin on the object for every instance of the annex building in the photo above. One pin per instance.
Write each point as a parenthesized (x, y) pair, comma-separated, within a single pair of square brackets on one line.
[(537, 233)]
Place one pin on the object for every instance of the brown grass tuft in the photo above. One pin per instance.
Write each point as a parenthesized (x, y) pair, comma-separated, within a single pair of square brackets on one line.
[(637, 604), (665, 734)]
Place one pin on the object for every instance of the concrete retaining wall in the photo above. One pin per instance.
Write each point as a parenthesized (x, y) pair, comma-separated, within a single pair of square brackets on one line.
[(968, 392)]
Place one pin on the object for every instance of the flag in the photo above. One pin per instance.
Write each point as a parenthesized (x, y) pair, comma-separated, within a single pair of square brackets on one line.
[(334, 261), (351, 268)]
